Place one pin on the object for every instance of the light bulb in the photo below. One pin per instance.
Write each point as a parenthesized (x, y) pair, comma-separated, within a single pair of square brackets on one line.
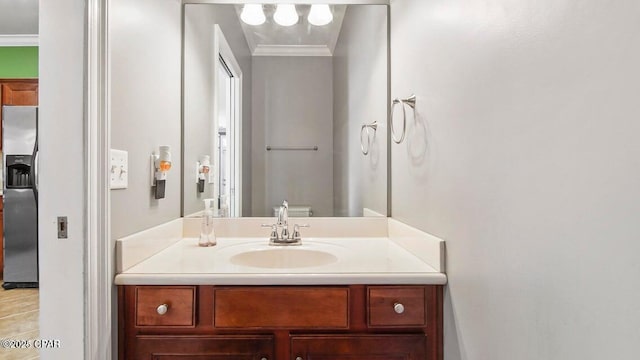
[(164, 165), (286, 14), (320, 15), (252, 14)]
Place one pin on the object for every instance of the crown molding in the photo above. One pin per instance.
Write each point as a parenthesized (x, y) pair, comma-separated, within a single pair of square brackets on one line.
[(292, 50), (19, 40)]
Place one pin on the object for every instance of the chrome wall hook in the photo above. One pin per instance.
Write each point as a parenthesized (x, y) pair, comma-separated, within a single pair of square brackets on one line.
[(411, 101)]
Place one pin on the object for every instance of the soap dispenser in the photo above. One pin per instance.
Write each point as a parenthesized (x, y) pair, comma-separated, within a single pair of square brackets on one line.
[(207, 234), (224, 207)]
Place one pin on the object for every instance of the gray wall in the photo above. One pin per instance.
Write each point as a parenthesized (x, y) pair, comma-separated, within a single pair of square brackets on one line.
[(199, 92), (360, 96), (525, 160), (145, 41), (292, 106), (18, 17)]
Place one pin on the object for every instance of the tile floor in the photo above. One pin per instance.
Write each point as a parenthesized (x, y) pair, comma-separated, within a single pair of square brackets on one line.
[(18, 320)]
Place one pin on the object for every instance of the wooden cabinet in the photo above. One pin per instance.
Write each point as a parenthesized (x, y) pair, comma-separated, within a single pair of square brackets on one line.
[(354, 322)]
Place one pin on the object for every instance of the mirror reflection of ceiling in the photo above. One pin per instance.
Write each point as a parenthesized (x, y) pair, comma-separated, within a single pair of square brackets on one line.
[(18, 17), (301, 39)]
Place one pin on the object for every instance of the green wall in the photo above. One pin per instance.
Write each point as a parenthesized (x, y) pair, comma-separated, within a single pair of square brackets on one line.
[(18, 62)]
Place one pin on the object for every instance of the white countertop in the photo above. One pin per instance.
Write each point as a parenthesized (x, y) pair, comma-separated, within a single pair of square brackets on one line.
[(364, 260)]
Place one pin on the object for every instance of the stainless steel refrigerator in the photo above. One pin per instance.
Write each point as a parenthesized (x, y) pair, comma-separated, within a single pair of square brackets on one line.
[(20, 154)]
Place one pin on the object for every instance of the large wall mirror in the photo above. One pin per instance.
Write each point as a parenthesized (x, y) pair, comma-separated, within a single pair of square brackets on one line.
[(288, 104)]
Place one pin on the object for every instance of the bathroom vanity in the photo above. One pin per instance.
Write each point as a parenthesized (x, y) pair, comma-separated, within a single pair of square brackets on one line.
[(376, 299), (281, 322)]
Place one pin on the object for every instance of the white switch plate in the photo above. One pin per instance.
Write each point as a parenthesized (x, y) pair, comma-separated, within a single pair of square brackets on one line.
[(119, 169)]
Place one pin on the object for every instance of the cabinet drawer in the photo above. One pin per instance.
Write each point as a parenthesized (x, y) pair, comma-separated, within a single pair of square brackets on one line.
[(396, 306), (359, 347), (283, 307), (204, 347), (172, 306)]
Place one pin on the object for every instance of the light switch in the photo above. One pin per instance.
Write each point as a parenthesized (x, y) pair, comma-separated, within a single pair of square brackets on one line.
[(119, 169)]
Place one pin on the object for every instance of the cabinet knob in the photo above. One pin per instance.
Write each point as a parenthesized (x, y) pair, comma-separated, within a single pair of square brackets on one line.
[(299, 358), (264, 358), (398, 308), (162, 309)]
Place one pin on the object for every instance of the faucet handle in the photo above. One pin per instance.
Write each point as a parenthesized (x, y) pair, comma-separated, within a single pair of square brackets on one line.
[(274, 231), (296, 231)]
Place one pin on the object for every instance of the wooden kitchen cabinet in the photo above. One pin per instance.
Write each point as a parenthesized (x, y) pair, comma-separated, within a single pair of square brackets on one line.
[(355, 322)]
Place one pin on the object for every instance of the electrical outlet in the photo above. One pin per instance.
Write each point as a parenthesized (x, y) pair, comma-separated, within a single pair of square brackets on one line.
[(119, 169)]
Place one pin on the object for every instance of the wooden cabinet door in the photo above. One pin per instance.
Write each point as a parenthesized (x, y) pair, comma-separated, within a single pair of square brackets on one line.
[(359, 347), (20, 93), (203, 347)]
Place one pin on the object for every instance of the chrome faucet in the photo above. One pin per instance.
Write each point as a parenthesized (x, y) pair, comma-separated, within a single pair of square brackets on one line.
[(283, 219), (280, 234)]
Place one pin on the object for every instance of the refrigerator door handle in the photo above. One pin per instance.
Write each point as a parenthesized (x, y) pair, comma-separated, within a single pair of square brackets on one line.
[(34, 171)]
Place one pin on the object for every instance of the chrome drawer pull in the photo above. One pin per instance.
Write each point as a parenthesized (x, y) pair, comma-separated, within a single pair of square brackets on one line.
[(162, 309), (398, 308)]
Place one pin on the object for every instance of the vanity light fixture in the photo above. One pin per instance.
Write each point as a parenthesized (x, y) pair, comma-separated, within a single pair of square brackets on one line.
[(160, 165), (320, 15), (253, 14), (203, 167), (286, 14)]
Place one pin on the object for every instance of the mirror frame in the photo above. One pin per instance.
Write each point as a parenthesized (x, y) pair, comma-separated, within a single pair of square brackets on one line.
[(302, 2)]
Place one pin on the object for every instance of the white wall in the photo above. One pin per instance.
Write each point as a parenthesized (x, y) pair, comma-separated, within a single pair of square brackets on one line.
[(145, 41), (199, 64), (526, 160), (61, 172), (292, 106), (360, 97)]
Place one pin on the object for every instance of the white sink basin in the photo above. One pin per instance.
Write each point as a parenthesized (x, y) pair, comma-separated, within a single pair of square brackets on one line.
[(283, 257)]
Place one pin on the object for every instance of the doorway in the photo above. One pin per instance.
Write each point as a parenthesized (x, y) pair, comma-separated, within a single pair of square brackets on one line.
[(227, 170)]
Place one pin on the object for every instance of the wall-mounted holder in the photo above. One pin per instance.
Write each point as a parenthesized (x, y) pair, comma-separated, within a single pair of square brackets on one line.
[(367, 128), (160, 165), (203, 167), (411, 101)]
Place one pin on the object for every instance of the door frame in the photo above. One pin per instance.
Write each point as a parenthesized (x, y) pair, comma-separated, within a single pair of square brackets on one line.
[(100, 299), (222, 49), (75, 272)]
